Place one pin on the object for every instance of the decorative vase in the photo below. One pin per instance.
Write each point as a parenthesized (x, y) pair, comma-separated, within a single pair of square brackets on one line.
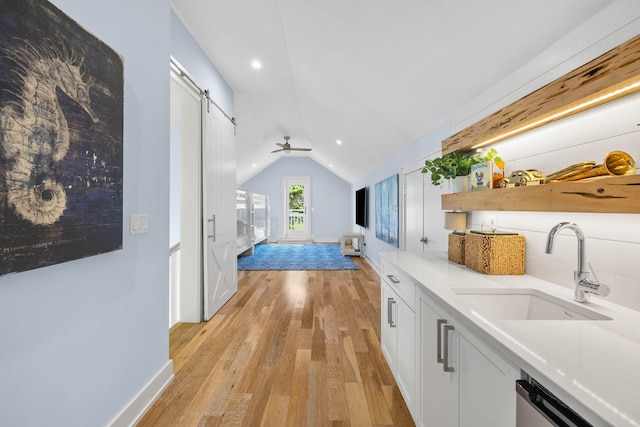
[(460, 184)]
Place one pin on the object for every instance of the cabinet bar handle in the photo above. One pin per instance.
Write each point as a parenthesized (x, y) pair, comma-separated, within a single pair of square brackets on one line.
[(389, 314), (213, 220), (439, 345), (393, 279), (446, 366), (393, 316)]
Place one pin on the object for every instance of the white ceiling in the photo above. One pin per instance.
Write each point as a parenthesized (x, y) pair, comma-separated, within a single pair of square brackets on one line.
[(376, 74)]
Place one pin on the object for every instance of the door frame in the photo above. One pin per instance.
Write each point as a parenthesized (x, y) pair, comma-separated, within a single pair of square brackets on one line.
[(187, 262), (306, 182), (404, 171), (436, 231)]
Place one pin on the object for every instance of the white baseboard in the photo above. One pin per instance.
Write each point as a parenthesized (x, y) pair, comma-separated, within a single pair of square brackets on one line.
[(295, 241), (326, 240), (139, 405), (306, 241), (372, 263)]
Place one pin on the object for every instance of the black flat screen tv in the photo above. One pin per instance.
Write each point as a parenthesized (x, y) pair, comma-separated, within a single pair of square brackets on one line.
[(361, 207)]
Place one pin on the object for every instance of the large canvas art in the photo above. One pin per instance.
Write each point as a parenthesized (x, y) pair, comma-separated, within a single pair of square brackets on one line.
[(387, 210), (61, 126)]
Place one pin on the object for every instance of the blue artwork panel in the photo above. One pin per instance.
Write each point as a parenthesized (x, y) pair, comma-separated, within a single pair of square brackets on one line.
[(387, 210), (61, 139)]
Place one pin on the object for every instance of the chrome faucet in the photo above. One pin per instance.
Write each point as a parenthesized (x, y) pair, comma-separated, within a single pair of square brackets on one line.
[(584, 285)]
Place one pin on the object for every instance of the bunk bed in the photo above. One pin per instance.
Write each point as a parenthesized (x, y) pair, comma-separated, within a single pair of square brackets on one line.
[(252, 218), (261, 218), (244, 241)]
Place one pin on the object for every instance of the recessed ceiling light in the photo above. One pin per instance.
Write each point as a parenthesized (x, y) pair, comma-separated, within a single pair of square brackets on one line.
[(253, 165), (255, 64), (338, 142), (331, 165)]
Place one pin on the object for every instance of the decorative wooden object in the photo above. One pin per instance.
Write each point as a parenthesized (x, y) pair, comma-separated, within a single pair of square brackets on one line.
[(620, 194), (456, 248), (617, 69), (499, 255)]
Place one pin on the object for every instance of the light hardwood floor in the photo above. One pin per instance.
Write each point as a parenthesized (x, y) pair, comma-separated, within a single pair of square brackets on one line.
[(291, 348)]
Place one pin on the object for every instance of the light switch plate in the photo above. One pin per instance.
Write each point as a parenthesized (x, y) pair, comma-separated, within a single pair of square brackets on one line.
[(139, 223)]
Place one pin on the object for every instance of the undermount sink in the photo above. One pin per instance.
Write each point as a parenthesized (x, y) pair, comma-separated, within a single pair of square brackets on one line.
[(524, 304)]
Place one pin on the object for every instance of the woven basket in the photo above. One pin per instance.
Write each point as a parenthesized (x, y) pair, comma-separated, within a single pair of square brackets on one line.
[(495, 254), (456, 248)]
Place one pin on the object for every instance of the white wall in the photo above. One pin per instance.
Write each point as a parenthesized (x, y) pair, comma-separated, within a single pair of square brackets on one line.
[(185, 49), (613, 240), (331, 198), (428, 144), (81, 339)]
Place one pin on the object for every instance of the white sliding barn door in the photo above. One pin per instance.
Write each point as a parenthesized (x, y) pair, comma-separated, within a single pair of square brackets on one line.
[(219, 213)]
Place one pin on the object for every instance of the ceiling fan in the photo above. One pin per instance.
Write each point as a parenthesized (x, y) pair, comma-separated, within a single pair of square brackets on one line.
[(286, 147)]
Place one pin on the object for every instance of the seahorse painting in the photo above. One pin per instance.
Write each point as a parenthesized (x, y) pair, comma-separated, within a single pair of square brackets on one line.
[(61, 139), (35, 134)]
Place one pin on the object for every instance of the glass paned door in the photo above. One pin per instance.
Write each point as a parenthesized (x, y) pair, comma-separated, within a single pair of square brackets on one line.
[(297, 218)]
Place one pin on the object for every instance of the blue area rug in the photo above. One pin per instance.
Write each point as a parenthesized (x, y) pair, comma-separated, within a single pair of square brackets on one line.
[(296, 257)]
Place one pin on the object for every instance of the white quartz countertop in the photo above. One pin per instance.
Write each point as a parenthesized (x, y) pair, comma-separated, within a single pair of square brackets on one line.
[(592, 365)]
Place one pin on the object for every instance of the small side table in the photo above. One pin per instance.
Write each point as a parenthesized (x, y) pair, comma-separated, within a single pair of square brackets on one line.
[(355, 242)]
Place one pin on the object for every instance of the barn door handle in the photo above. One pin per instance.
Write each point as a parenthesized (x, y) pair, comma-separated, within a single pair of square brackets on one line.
[(213, 221)]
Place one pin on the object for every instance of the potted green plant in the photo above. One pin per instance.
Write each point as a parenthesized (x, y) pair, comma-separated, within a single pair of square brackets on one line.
[(457, 164)]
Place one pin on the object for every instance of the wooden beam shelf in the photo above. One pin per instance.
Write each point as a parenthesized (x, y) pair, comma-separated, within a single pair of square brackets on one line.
[(611, 194), (608, 77)]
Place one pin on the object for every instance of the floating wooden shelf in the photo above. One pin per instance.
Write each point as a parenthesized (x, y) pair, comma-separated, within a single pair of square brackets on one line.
[(619, 194), (608, 77), (584, 87)]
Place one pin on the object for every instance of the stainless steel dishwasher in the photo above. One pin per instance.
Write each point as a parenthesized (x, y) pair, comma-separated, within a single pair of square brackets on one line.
[(537, 407)]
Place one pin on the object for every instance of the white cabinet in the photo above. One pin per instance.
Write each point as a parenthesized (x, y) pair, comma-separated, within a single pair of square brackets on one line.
[(438, 382), (462, 381), (398, 332), (486, 385), (389, 334)]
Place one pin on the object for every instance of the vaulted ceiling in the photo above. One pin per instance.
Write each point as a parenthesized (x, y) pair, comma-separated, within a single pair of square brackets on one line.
[(376, 75)]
